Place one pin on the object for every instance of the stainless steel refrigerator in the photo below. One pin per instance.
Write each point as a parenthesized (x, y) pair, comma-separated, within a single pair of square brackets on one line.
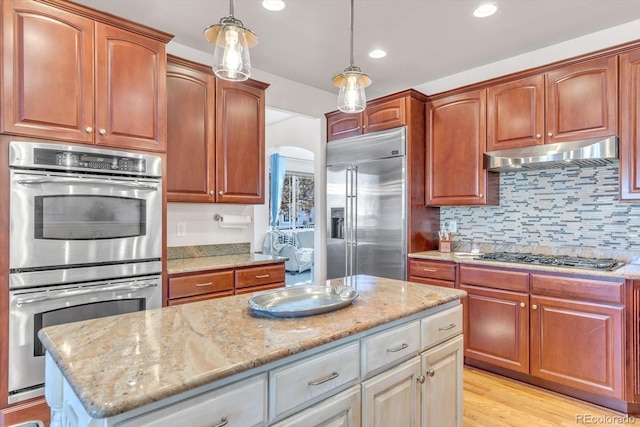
[(367, 205)]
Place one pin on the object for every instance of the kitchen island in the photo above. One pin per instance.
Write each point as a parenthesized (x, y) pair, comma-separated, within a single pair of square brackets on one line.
[(214, 363)]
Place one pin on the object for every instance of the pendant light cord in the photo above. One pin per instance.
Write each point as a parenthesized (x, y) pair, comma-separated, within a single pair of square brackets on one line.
[(352, 33), (231, 7)]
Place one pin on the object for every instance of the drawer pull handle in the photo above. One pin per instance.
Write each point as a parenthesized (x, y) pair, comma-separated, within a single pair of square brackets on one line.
[(223, 422), (397, 349), (262, 276), (323, 380), (204, 284), (432, 270), (451, 326)]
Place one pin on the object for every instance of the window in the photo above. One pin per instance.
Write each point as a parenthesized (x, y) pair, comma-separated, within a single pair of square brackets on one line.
[(297, 207)]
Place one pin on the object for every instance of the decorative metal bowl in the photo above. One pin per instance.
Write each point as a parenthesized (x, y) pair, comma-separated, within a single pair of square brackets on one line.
[(300, 301)]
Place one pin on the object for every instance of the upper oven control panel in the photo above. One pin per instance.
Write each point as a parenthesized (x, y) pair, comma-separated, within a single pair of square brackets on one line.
[(41, 155)]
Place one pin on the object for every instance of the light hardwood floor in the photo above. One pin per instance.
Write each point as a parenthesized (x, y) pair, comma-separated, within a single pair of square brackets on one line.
[(494, 401)]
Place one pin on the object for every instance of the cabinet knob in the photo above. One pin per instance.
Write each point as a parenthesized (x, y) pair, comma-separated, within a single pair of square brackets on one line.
[(481, 195), (420, 379), (550, 134), (431, 372), (221, 193), (523, 305), (212, 192), (88, 129), (102, 132), (534, 307), (538, 135)]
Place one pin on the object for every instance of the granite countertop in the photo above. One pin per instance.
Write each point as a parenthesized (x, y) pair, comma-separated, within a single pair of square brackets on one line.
[(119, 363), (203, 263), (627, 271)]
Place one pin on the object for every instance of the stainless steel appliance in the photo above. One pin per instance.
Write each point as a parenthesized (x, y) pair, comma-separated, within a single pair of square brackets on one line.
[(85, 242), (367, 205), (554, 260), (70, 205)]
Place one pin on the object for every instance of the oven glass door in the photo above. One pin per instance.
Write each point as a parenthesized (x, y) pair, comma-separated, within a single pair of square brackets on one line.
[(60, 219), (33, 309)]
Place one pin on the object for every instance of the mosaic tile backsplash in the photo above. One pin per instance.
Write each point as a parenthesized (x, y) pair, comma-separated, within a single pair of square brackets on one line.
[(577, 207)]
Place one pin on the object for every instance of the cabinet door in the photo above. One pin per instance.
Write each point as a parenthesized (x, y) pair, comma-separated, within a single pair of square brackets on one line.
[(630, 125), (515, 114), (341, 410), (47, 60), (131, 93), (578, 344), (190, 133), (343, 125), (442, 389), (496, 327), (392, 398), (384, 115), (582, 101), (456, 141), (239, 142)]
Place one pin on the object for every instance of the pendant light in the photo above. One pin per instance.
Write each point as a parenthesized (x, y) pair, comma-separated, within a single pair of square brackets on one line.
[(232, 42), (352, 82)]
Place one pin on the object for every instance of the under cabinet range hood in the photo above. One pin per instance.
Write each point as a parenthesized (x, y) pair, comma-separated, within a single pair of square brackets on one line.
[(591, 152)]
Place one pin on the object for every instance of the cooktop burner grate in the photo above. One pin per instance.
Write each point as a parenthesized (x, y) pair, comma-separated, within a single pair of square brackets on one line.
[(554, 260)]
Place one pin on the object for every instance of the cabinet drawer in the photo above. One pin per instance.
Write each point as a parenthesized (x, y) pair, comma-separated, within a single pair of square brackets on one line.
[(576, 288), (315, 376), (441, 326), (262, 275), (389, 347), (494, 278), (199, 284), (432, 269), (242, 404)]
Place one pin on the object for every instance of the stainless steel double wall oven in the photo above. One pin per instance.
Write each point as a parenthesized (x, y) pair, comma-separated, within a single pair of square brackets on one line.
[(85, 242)]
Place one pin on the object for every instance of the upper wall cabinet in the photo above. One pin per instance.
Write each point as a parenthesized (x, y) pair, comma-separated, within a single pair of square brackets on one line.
[(215, 149), (190, 131), (571, 103), (380, 114), (456, 141), (52, 89), (630, 125), (240, 142)]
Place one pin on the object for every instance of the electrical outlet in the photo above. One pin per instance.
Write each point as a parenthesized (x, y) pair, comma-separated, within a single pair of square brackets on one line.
[(181, 229), (453, 226)]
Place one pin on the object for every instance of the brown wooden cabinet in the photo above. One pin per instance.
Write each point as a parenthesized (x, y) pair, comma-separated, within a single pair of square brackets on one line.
[(566, 104), (77, 75), (202, 285), (215, 150), (496, 316), (432, 272), (190, 131), (565, 330), (630, 125), (381, 114), (240, 142), (456, 142)]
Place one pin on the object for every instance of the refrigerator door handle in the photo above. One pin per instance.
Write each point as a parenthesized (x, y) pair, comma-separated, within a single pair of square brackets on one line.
[(347, 222), (354, 220)]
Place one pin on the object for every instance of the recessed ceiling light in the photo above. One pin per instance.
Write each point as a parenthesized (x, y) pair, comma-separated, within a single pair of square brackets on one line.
[(377, 54), (484, 10), (273, 5)]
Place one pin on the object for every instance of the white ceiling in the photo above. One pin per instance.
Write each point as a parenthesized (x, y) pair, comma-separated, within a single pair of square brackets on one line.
[(308, 41)]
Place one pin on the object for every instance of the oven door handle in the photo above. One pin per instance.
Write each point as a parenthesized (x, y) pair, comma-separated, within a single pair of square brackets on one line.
[(87, 181), (64, 294)]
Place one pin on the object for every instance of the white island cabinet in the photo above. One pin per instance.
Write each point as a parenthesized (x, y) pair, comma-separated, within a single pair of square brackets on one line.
[(393, 357)]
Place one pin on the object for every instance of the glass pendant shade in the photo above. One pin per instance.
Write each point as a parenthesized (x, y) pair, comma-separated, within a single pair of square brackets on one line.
[(231, 53), (352, 98)]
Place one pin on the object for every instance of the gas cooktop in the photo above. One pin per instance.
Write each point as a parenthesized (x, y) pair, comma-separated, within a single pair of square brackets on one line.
[(553, 260)]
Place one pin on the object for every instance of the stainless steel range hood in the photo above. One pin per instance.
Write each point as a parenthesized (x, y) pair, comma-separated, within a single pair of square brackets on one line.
[(591, 152)]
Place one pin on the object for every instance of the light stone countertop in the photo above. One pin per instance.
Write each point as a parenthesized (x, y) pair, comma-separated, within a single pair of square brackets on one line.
[(119, 363), (218, 262), (627, 271)]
